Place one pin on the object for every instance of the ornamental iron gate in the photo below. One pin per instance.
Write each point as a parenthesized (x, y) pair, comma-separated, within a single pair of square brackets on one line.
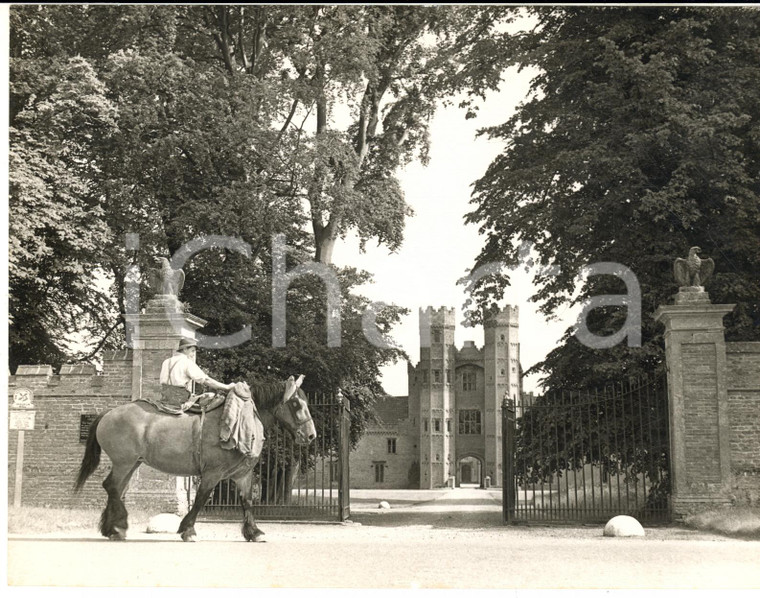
[(588, 456), (297, 482)]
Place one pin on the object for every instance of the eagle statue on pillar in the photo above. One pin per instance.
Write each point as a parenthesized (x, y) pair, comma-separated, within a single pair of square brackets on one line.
[(693, 271), (165, 280)]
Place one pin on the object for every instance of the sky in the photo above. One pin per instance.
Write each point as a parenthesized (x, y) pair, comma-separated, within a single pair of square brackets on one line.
[(439, 247)]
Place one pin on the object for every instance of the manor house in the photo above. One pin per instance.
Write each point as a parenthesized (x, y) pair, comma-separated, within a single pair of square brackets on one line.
[(449, 426)]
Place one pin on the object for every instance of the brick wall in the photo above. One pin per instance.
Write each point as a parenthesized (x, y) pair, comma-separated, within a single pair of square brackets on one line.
[(53, 451), (743, 365)]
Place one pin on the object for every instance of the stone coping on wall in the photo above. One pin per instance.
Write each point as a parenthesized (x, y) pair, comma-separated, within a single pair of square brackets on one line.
[(743, 347)]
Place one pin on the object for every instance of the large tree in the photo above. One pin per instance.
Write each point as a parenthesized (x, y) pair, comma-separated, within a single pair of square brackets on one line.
[(177, 123), (358, 86), (59, 116), (640, 139)]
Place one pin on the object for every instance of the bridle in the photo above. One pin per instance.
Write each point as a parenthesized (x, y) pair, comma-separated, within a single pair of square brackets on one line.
[(294, 405)]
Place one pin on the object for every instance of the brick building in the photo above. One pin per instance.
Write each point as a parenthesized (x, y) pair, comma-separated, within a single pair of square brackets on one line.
[(450, 423)]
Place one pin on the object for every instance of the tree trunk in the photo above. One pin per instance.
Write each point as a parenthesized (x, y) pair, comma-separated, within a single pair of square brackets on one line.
[(325, 250), (324, 241)]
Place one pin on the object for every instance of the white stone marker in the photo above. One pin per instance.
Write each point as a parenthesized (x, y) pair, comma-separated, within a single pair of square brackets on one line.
[(623, 526)]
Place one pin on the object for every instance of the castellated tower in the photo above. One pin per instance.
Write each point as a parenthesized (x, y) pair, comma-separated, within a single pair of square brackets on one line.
[(435, 384), (502, 378)]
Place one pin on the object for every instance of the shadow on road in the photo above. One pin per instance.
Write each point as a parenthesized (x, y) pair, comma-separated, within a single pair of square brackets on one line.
[(439, 519), (458, 508)]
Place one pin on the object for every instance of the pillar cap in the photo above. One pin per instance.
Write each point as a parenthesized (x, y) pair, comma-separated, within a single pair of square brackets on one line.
[(693, 309)]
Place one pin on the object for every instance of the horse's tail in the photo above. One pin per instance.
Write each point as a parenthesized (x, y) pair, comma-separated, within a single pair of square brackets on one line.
[(91, 458)]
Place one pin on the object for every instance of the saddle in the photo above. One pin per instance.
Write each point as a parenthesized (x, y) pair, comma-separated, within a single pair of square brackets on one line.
[(172, 398)]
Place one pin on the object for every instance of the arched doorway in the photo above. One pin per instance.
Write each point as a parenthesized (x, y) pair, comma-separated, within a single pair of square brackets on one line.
[(470, 471)]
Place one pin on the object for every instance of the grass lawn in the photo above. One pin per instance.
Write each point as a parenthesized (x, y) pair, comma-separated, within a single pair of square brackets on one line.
[(34, 520), (734, 521)]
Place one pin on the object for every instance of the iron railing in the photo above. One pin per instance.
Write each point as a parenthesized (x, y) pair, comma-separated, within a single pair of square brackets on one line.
[(296, 482), (588, 456)]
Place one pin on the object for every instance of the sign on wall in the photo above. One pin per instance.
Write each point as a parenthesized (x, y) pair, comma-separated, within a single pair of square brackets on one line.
[(22, 420)]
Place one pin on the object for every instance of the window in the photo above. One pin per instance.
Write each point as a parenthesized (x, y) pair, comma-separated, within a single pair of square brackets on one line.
[(448, 376), (436, 336), (502, 337), (437, 424), (468, 381), (391, 445), (379, 472), (448, 425), (503, 371), (469, 421), (426, 425), (425, 376), (436, 375)]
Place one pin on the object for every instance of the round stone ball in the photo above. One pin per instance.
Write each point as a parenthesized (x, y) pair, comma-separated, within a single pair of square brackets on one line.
[(165, 523), (384, 505), (623, 526)]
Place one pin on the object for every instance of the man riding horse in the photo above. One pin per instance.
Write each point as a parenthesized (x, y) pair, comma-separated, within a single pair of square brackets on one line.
[(178, 374)]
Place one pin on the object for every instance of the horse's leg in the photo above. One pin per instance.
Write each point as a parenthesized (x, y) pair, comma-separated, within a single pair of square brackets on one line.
[(113, 521), (205, 488), (251, 531), (125, 482)]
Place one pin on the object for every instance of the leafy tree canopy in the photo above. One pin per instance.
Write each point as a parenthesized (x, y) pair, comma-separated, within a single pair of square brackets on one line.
[(182, 122), (640, 139)]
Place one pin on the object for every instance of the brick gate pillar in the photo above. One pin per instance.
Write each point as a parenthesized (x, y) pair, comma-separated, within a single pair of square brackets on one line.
[(695, 352), (155, 335)]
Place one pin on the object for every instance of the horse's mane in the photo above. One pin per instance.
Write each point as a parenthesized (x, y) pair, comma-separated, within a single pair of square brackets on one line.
[(266, 394)]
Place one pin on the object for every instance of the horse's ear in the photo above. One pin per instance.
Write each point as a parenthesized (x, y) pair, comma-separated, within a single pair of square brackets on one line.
[(299, 381), (290, 389)]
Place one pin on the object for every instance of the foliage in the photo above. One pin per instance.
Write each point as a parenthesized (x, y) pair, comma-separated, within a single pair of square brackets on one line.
[(639, 140), (181, 122), (59, 116)]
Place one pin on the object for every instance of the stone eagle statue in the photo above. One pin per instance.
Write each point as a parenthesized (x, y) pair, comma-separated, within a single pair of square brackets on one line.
[(693, 271), (165, 280)]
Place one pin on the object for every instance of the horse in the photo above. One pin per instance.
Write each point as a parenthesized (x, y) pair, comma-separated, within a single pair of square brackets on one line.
[(137, 433)]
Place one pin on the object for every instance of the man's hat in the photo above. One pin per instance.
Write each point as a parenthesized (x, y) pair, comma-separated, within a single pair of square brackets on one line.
[(186, 343)]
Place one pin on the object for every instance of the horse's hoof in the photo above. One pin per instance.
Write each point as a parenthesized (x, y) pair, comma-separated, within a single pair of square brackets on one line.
[(188, 536), (118, 534)]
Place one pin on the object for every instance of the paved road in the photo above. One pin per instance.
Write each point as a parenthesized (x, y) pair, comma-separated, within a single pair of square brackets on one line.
[(453, 541)]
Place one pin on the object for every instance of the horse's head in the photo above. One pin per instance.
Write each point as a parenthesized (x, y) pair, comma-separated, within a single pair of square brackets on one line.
[(293, 412)]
